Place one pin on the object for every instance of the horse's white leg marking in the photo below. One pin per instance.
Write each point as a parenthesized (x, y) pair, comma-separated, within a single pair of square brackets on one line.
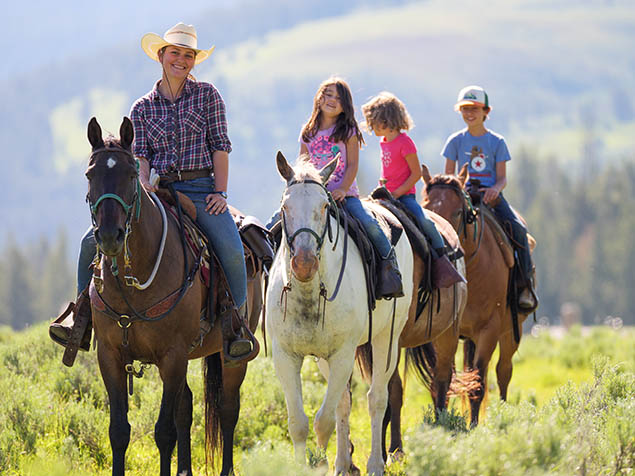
[(288, 370), (111, 162)]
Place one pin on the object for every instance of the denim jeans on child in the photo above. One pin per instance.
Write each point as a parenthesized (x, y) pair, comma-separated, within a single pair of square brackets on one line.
[(429, 229), (519, 233), (353, 205)]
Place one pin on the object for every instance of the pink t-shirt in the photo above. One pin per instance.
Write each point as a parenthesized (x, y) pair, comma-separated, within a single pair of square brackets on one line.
[(322, 150), (394, 167)]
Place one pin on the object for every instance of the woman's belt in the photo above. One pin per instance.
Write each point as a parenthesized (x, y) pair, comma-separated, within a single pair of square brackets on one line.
[(181, 175)]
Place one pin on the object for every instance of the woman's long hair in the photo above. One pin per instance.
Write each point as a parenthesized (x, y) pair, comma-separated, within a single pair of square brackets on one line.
[(346, 125)]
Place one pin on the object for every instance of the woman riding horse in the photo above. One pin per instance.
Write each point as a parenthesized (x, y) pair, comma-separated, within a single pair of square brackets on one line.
[(180, 130)]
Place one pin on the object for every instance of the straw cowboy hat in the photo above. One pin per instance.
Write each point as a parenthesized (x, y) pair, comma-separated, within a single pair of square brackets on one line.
[(179, 35)]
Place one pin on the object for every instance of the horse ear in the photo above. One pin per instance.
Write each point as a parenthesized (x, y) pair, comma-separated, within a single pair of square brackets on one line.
[(94, 134), (126, 133), (285, 170), (463, 175), (328, 169), (425, 174)]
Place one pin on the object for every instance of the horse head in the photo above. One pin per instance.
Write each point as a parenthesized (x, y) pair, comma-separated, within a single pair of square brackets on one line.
[(305, 213), (113, 186), (444, 195)]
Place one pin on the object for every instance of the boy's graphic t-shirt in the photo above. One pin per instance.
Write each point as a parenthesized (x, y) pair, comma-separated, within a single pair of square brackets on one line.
[(322, 150), (394, 167), (480, 153)]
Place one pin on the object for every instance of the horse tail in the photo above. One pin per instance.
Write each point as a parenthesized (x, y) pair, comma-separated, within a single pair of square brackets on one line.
[(213, 383), (422, 360), (364, 359)]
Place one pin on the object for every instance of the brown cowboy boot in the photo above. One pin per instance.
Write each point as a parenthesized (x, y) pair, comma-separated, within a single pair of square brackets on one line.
[(527, 299), (444, 274), (235, 346), (72, 329), (389, 283)]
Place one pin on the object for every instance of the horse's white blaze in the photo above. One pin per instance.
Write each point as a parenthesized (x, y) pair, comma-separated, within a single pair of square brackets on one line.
[(111, 162), (297, 329)]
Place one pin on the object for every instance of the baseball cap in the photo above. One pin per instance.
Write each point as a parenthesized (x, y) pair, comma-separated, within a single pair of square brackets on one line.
[(472, 95)]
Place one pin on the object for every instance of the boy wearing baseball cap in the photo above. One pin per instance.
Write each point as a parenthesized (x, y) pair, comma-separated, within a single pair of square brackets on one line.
[(486, 154)]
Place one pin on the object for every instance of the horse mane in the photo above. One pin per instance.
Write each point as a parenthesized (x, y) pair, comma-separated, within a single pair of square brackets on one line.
[(445, 179), (304, 170)]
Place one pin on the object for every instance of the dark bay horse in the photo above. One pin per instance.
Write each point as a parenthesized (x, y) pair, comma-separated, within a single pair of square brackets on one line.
[(487, 319), (159, 322)]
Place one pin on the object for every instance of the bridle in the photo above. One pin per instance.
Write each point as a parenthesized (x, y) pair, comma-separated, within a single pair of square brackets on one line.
[(468, 213), (319, 238), (332, 208)]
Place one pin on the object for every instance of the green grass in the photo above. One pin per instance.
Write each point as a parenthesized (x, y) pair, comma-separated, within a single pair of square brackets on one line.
[(571, 410)]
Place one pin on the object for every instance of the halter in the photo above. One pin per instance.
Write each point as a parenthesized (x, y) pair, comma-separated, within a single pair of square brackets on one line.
[(136, 199), (327, 226), (320, 241), (468, 213)]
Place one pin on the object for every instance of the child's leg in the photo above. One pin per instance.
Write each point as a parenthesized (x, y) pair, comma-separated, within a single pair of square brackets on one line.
[(444, 274), (353, 205), (430, 230), (519, 234), (389, 283)]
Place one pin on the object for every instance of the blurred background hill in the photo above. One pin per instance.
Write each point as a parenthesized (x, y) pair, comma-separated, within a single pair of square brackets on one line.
[(560, 76)]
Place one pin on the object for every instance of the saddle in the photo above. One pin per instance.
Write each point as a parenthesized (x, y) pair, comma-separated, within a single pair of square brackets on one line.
[(418, 240), (257, 248)]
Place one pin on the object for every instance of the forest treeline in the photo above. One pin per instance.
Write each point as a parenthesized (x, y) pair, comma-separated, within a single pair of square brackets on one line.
[(583, 221)]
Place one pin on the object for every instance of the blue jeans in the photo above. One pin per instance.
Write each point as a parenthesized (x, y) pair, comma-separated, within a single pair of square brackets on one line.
[(429, 229), (222, 234), (519, 233), (353, 205), (219, 229)]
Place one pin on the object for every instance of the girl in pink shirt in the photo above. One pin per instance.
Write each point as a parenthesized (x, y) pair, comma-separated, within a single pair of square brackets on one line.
[(387, 117)]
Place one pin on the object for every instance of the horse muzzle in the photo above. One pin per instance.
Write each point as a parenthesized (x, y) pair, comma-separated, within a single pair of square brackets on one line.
[(304, 265), (110, 241)]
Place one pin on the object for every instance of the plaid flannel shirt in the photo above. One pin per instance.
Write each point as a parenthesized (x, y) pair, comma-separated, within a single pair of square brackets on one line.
[(182, 135)]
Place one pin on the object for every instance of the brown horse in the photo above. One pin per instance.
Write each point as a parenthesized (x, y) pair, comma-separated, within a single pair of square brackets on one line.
[(487, 319), (430, 337), (160, 324)]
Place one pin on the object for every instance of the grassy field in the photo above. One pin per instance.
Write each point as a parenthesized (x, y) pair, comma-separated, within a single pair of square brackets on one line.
[(571, 410)]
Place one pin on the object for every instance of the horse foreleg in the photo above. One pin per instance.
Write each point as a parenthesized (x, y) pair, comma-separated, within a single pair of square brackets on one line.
[(288, 370), (183, 427), (173, 370), (485, 346), (114, 377), (344, 458), (504, 368), (445, 347), (229, 411), (393, 416)]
